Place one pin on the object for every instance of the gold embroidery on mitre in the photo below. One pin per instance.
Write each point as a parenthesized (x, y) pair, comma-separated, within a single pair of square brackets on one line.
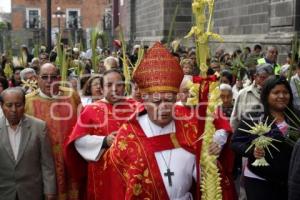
[(159, 89)]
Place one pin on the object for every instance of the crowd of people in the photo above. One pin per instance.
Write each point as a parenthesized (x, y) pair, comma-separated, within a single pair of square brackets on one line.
[(90, 138)]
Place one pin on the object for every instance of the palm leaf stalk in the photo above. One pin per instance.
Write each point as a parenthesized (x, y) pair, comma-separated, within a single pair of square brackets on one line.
[(210, 178), (36, 50), (171, 29), (295, 53), (70, 40), (64, 69), (23, 59), (294, 127), (81, 47), (141, 53), (61, 61), (237, 67), (59, 51), (126, 70), (94, 41)]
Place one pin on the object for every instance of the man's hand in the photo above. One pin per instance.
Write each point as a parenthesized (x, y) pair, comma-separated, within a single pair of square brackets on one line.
[(258, 152), (110, 138), (214, 149)]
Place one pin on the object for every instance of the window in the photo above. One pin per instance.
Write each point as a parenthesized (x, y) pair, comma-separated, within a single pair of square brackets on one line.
[(107, 19), (33, 18), (121, 2), (73, 18)]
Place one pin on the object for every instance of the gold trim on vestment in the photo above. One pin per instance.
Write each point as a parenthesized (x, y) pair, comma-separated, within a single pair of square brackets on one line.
[(174, 140), (160, 89)]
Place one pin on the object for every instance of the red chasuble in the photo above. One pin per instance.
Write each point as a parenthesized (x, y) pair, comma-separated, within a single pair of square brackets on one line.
[(100, 118), (133, 170), (60, 115)]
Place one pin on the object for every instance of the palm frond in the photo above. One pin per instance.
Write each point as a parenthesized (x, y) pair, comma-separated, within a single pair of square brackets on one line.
[(126, 70), (171, 29)]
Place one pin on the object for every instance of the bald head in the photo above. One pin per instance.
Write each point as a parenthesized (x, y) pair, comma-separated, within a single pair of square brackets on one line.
[(49, 67)]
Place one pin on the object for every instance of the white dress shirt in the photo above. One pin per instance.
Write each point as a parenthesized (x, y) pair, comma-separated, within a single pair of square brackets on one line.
[(14, 138)]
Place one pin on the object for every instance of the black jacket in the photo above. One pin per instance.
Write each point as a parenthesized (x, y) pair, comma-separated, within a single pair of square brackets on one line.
[(294, 174), (277, 171)]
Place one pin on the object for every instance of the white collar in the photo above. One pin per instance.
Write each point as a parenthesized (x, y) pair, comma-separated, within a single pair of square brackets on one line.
[(150, 129)]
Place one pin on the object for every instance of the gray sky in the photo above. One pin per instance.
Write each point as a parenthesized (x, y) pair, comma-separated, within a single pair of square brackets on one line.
[(5, 5)]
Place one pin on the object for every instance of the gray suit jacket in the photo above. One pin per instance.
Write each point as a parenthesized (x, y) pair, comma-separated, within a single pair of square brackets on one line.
[(33, 174)]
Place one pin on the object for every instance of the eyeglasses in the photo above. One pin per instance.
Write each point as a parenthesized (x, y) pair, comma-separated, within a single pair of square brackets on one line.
[(47, 77)]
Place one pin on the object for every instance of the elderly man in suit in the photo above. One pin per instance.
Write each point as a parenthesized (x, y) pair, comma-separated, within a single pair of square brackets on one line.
[(26, 168)]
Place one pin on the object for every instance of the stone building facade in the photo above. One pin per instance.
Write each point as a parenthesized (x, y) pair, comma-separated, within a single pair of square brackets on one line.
[(29, 19), (266, 22), (247, 22), (147, 21)]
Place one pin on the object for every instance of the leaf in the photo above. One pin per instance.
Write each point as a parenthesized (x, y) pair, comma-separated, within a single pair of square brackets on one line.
[(172, 25)]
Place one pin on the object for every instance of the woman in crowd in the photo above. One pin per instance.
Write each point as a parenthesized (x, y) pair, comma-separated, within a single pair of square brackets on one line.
[(92, 90), (187, 66), (268, 182), (227, 77), (16, 78)]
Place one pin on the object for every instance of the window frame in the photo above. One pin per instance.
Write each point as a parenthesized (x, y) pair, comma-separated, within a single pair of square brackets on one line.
[(27, 17), (68, 17)]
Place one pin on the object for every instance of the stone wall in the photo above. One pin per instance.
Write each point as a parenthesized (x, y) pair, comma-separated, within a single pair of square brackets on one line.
[(147, 21), (250, 22), (240, 22)]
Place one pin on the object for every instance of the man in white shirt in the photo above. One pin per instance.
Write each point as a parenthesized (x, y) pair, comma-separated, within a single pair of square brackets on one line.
[(248, 99)]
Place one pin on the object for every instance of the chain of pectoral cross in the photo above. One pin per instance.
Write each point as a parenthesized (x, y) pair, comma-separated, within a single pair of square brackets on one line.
[(169, 173)]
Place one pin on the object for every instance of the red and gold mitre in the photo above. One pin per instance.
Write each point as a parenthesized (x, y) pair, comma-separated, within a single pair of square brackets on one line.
[(159, 71)]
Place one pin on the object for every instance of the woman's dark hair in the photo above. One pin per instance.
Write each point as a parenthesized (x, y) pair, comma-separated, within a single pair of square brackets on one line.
[(111, 71), (248, 48), (86, 91), (228, 75), (270, 84), (257, 46)]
